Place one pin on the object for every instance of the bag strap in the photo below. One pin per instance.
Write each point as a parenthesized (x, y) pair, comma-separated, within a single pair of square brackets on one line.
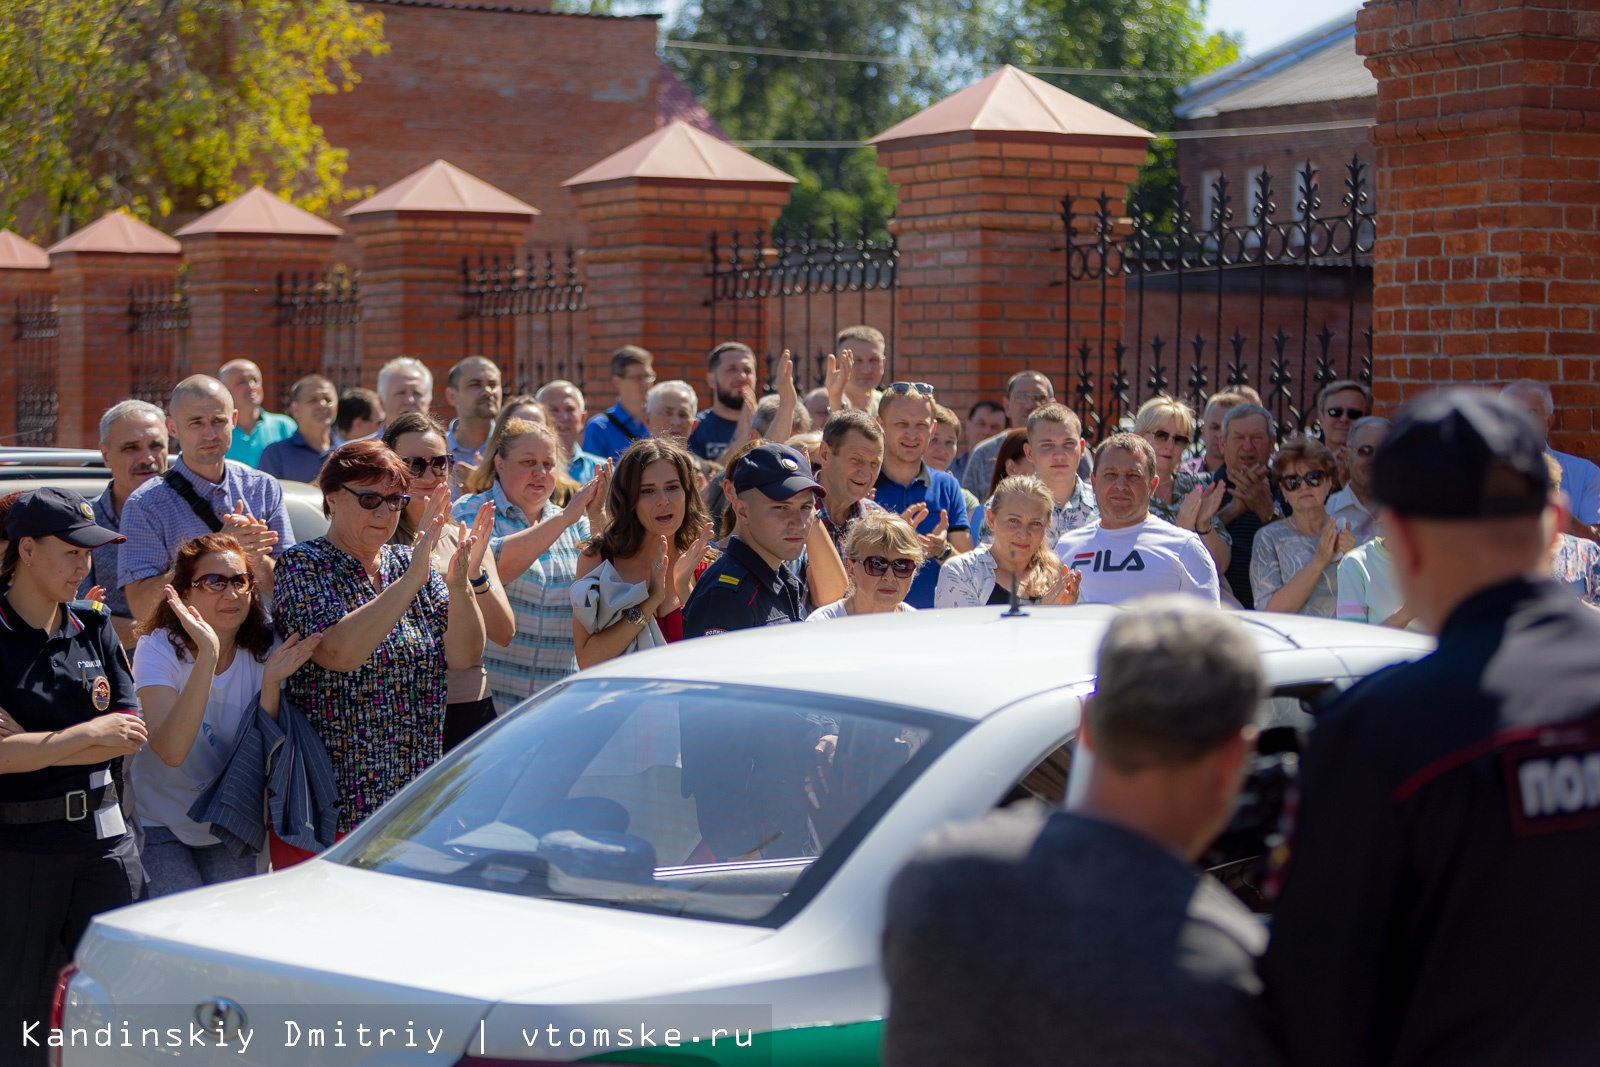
[(613, 420), (202, 510)]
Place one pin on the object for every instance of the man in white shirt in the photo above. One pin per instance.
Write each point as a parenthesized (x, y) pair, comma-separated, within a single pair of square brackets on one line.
[(1354, 504), (1130, 553)]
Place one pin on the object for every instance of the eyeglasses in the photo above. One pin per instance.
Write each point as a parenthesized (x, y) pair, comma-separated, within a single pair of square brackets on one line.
[(877, 566), (417, 465), (370, 501), (1163, 436), (903, 388), (1342, 413), (1291, 482), (218, 583)]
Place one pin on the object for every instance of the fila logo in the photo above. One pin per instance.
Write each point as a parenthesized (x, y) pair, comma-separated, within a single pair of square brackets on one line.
[(1100, 562)]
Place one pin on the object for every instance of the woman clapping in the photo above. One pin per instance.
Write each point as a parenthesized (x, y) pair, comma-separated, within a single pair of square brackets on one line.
[(1017, 559)]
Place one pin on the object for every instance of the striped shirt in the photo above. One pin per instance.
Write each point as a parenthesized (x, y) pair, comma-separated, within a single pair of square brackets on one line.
[(541, 653)]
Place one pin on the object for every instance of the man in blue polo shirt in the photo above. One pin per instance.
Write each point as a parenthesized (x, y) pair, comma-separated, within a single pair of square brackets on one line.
[(906, 414), (204, 492), (609, 433), (314, 403), (257, 427)]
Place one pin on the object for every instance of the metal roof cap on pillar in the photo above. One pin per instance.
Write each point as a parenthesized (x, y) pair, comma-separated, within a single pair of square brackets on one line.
[(681, 152), (19, 253), (1011, 101), (445, 187), (119, 233), (260, 213)]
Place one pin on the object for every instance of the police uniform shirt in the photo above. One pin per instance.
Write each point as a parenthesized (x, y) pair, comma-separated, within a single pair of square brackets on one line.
[(1439, 899), (739, 591), (49, 682)]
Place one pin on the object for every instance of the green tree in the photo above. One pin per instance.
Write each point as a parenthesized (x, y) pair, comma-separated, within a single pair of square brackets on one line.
[(169, 105)]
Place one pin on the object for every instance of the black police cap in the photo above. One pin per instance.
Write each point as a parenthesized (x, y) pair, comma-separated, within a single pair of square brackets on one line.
[(777, 470), (1462, 454), (53, 512)]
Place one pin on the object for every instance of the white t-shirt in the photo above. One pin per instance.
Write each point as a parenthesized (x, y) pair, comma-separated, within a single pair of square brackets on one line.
[(1151, 557), (836, 611), (162, 795)]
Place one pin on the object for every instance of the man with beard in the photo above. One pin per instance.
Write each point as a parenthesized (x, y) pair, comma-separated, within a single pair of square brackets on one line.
[(473, 389), (730, 373), (1129, 553), (847, 466), (133, 442), (1248, 503), (1354, 504)]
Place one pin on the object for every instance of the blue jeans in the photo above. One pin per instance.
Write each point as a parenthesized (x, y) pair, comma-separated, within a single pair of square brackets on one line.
[(173, 866)]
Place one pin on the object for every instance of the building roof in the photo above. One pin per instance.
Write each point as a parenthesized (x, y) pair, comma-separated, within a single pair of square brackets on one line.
[(19, 253), (675, 101), (260, 212), (505, 9), (1317, 66), (1012, 101), (118, 232), (680, 151), (442, 186)]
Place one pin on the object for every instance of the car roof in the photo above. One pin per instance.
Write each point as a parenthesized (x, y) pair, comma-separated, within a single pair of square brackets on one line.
[(966, 662)]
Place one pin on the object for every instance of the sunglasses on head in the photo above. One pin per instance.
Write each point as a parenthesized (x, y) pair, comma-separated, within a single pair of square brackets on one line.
[(877, 566), (438, 464), (216, 583), (370, 501), (903, 388), (1340, 413), (1164, 436), (1291, 482)]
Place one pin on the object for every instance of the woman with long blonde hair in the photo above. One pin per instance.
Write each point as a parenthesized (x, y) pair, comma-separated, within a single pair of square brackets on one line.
[(1017, 558)]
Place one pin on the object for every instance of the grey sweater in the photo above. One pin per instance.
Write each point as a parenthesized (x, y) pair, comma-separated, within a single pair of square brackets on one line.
[(1021, 940)]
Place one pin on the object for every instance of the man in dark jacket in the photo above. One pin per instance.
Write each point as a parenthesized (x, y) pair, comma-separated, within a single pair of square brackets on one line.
[(1090, 937)]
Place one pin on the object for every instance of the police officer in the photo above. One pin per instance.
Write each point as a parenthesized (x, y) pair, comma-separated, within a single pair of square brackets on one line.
[(1439, 901), (70, 714), (775, 499)]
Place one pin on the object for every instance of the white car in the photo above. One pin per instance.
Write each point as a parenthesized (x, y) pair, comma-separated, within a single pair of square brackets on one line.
[(678, 857)]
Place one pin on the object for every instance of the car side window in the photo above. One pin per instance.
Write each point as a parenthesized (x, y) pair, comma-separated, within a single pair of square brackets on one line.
[(1046, 780)]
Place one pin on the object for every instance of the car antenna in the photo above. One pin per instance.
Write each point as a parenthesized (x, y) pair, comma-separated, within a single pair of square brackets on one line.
[(1015, 610)]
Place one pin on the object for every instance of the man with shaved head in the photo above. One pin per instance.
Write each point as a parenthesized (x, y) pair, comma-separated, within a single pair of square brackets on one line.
[(257, 427), (204, 492)]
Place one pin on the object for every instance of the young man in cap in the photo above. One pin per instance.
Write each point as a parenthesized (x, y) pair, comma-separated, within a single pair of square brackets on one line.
[(775, 498), (1437, 905)]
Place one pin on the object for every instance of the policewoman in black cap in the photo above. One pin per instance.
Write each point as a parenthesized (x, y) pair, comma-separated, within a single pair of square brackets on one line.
[(71, 714), (775, 498), (1439, 902)]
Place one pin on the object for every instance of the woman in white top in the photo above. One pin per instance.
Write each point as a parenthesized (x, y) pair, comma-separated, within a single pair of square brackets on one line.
[(882, 554), (203, 659), (1294, 566), (1020, 512)]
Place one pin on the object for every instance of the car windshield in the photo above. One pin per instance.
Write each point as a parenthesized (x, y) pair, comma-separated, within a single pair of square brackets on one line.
[(721, 802)]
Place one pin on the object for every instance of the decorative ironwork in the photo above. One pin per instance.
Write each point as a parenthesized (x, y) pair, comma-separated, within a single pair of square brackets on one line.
[(315, 319), (34, 332), (1214, 280), (523, 312), (788, 288), (158, 338)]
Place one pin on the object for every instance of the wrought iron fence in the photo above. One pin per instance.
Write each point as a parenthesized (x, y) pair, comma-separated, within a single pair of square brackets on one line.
[(315, 319), (1281, 302), (795, 289), (158, 338), (36, 356), (525, 313)]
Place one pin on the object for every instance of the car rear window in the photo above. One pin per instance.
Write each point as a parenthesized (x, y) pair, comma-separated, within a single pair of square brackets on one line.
[(732, 803)]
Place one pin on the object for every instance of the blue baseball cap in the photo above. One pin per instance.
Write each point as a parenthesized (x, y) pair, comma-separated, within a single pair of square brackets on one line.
[(777, 470)]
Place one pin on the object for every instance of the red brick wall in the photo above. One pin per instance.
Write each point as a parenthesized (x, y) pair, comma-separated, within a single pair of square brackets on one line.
[(1488, 258), (522, 100)]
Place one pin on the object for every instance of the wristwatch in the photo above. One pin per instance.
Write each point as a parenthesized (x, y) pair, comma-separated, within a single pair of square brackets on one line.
[(637, 617)]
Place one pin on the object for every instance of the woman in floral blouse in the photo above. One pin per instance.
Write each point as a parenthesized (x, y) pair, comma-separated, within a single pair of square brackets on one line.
[(375, 687)]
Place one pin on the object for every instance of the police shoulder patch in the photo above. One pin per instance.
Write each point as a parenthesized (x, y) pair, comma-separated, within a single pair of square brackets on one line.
[(728, 579), (90, 607), (1553, 780)]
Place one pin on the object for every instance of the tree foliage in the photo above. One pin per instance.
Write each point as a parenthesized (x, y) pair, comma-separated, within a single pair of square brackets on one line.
[(942, 46), (169, 105)]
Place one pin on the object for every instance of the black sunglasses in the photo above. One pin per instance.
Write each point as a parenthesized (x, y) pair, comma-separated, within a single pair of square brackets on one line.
[(217, 583), (1339, 413), (417, 465), (903, 388), (877, 566), (1163, 436), (370, 501), (1291, 482)]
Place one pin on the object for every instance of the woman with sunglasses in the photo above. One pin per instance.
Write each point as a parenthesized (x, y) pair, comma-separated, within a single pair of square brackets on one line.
[(204, 657), (419, 441), (1018, 557), (1294, 567), (391, 624), (1170, 426), (882, 554)]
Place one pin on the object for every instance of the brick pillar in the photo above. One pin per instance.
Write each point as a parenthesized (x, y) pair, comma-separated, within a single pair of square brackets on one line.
[(93, 295), (648, 250), (1487, 265), (979, 230)]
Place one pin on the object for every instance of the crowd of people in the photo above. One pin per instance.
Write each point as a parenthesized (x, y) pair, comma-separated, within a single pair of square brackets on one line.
[(468, 564)]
